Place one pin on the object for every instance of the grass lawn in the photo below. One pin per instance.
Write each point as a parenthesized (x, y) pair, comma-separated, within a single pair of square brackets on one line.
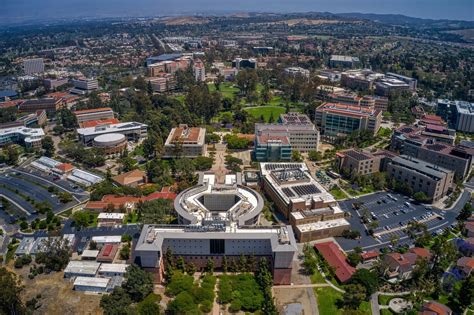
[(266, 111), (317, 278), (338, 193), (365, 190), (384, 299), (327, 298), (227, 89), (386, 311)]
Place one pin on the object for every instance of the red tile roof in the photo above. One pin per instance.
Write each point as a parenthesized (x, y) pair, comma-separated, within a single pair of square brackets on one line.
[(93, 123), (336, 259), (65, 167), (433, 307), (119, 201), (421, 252), (369, 255)]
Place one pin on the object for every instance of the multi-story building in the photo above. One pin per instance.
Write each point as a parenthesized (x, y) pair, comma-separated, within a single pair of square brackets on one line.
[(33, 66), (295, 131), (297, 71), (84, 86), (338, 120), (199, 71), (270, 147), (50, 105), (240, 63), (358, 162), (165, 82), (408, 80), (51, 84), (101, 113), (38, 118), (458, 114), (412, 141), (28, 137), (217, 220), (389, 85), (360, 79), (339, 61), (133, 131), (431, 179), (184, 141), (377, 102), (311, 210)]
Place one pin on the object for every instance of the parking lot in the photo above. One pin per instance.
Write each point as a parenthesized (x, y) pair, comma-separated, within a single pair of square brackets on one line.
[(392, 212), (23, 189)]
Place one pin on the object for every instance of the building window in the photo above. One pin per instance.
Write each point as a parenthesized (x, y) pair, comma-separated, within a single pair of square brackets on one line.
[(217, 246)]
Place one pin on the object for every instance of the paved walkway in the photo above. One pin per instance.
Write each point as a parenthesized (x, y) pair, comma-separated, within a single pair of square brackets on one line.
[(299, 286)]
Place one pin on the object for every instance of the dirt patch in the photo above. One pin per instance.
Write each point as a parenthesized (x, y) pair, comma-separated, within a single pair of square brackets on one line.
[(186, 20), (57, 296), (304, 296)]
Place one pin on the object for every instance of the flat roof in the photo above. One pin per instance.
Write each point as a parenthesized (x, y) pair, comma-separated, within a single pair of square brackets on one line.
[(322, 225), (293, 180), (89, 253), (113, 128), (420, 166), (118, 268), (91, 282), (82, 267), (111, 215), (281, 238), (351, 110), (107, 239), (186, 135)]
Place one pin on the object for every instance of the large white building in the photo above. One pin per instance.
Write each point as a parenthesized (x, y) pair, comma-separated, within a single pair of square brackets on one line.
[(134, 131), (84, 86), (222, 203), (29, 137), (218, 220)]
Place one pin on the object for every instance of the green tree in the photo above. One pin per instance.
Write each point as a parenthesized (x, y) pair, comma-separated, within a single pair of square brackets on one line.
[(138, 283), (209, 266), (296, 156), (420, 196), (353, 259), (368, 279), (354, 295), (116, 303), (68, 119), (10, 293)]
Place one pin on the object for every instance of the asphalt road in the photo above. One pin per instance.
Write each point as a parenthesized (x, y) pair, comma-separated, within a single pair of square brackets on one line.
[(390, 215)]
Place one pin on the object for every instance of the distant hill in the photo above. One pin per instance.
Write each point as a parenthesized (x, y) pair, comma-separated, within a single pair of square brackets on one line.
[(398, 19)]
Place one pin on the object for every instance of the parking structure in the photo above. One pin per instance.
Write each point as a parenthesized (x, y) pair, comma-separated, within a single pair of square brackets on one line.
[(392, 212)]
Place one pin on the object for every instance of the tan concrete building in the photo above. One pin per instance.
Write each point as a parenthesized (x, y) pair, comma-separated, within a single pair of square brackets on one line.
[(358, 162), (431, 179), (185, 141)]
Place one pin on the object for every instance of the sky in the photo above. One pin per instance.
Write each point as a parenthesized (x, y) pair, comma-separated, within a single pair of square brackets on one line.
[(23, 10)]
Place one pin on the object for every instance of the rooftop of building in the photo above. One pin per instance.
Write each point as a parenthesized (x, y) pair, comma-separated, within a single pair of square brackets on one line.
[(336, 259), (26, 132), (344, 58), (94, 123), (39, 101), (420, 166), (350, 110), (281, 238), (129, 177), (92, 282), (322, 225), (293, 118), (110, 215), (114, 128), (186, 135), (293, 181), (82, 267), (118, 200), (356, 154), (93, 110), (235, 202)]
